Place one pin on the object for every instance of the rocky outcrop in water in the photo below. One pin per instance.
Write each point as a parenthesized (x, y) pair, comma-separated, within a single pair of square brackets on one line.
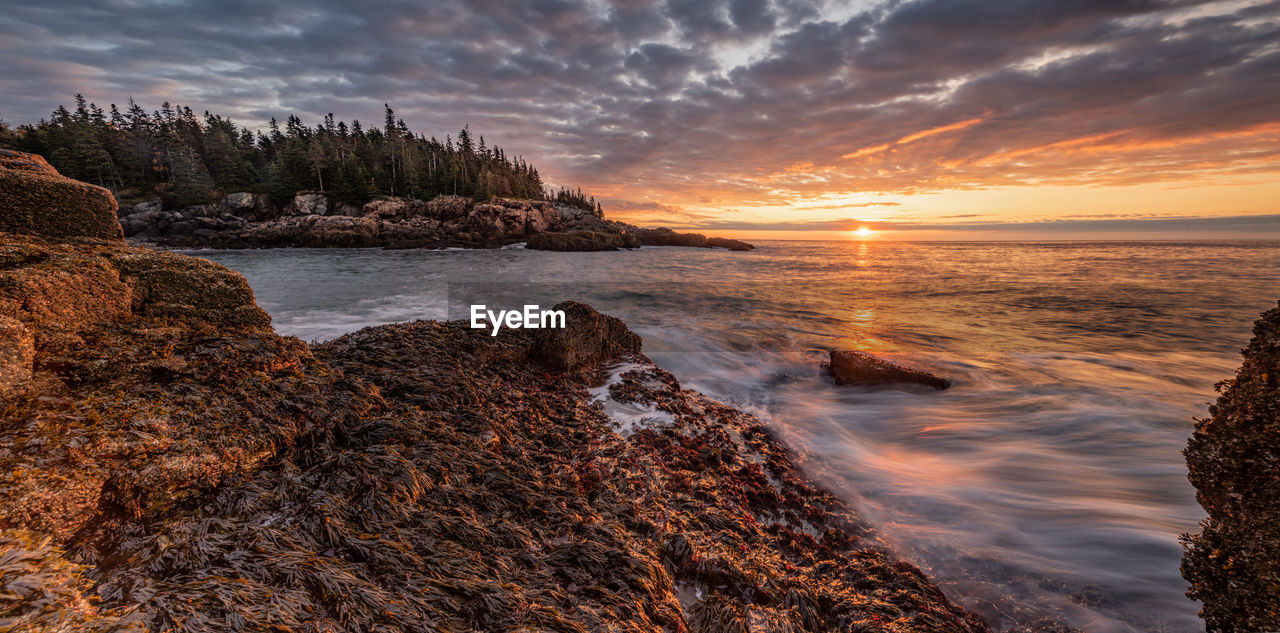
[(171, 464), (582, 241), (667, 237), (1233, 458), (849, 367)]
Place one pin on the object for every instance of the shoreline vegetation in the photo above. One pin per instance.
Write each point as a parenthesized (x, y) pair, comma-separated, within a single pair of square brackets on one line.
[(200, 181), (169, 463)]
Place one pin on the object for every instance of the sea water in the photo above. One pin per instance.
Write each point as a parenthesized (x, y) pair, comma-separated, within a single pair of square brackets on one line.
[(1048, 482)]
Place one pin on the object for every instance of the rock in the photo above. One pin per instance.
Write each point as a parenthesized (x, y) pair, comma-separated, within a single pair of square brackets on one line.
[(17, 352), (242, 204), (149, 206), (36, 200), (588, 337), (239, 201), (308, 203), (390, 208), (142, 223), (507, 218), (850, 367), (581, 241), (724, 242), (341, 232), (56, 293), (570, 213), (445, 208), (1233, 459), (188, 288), (666, 237)]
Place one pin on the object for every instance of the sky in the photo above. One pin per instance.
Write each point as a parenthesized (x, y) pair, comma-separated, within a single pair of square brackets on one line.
[(924, 119)]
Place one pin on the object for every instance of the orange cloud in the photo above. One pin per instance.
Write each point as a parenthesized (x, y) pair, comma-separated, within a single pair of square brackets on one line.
[(911, 138)]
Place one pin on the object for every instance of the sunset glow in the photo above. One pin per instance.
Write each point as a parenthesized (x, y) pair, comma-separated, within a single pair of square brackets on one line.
[(1018, 121)]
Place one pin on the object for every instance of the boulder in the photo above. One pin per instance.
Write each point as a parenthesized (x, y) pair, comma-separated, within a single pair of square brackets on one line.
[(850, 367), (1233, 460), (388, 208), (251, 206), (149, 206), (17, 352), (445, 208), (588, 337), (308, 203), (582, 241), (36, 200)]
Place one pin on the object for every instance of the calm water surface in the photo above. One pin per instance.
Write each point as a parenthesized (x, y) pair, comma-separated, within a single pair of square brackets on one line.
[(1048, 482)]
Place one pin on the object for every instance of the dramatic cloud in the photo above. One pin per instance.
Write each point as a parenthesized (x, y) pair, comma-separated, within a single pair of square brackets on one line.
[(708, 103)]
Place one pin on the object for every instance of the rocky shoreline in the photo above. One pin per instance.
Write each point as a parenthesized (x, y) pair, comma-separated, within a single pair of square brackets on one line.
[(313, 220), (1233, 563), (169, 463)]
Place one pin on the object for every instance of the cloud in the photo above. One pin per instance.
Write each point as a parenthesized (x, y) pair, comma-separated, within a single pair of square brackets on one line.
[(1265, 226), (709, 101)]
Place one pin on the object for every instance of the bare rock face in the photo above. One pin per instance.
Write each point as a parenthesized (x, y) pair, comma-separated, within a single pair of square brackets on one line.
[(309, 203), (587, 337), (446, 208), (36, 200), (17, 351), (252, 206), (507, 218), (850, 367), (1233, 460)]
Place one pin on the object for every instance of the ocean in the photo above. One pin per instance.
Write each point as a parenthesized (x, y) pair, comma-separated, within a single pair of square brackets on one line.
[(1048, 482)]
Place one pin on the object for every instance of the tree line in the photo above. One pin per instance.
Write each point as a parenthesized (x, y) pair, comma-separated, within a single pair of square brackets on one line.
[(188, 159)]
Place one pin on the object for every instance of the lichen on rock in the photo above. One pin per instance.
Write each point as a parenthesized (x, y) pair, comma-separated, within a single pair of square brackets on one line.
[(35, 199)]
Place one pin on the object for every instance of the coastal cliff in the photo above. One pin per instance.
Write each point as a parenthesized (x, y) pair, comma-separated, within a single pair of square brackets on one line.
[(1233, 564), (168, 463)]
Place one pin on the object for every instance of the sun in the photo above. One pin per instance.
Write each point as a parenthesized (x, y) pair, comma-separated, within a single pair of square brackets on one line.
[(863, 231)]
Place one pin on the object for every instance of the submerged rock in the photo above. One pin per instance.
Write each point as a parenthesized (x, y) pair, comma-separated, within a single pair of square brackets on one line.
[(849, 367), (1233, 459), (36, 200)]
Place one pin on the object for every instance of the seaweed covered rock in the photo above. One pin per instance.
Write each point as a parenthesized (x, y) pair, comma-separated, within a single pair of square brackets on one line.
[(410, 477), (17, 351), (130, 399), (582, 241), (587, 337), (849, 367), (1233, 458), (36, 200)]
